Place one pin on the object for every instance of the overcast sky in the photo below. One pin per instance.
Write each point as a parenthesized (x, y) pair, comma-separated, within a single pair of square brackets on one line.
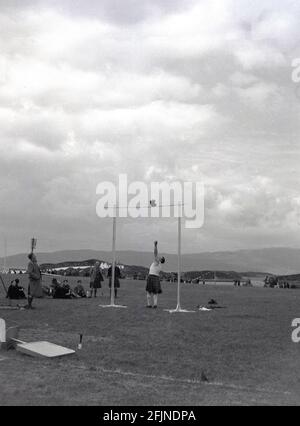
[(189, 89)]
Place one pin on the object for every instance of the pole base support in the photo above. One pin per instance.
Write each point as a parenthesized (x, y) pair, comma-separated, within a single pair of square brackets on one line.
[(179, 310), (113, 306)]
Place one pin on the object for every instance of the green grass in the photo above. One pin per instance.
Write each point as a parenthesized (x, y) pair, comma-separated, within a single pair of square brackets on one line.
[(139, 356)]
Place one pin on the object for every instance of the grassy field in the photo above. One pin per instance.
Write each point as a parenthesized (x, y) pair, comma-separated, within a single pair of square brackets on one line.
[(140, 356)]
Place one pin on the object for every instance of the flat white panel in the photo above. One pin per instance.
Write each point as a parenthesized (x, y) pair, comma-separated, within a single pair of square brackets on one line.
[(2, 331), (44, 349)]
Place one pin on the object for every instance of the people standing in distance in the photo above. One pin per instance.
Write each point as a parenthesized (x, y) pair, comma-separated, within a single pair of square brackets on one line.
[(96, 279), (117, 279)]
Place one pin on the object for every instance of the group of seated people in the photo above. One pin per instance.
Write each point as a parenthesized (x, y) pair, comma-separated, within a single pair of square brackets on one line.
[(15, 291), (56, 290), (63, 290)]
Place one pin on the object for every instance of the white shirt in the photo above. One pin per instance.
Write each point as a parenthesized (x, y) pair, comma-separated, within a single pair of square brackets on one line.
[(155, 268)]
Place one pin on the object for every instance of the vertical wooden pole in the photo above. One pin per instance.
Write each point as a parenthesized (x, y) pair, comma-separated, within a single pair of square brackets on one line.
[(5, 255), (113, 272), (113, 266), (179, 264)]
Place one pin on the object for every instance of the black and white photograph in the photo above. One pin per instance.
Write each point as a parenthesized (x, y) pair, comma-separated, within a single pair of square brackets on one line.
[(149, 206)]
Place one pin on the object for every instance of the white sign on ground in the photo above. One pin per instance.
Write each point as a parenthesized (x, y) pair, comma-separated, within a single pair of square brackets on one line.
[(43, 349), (2, 331)]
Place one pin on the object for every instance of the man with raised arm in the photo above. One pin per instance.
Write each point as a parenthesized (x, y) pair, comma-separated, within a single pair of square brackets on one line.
[(153, 288)]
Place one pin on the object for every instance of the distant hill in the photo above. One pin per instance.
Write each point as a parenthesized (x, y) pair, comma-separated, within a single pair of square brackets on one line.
[(295, 277), (211, 275), (83, 268), (255, 274), (69, 264), (281, 261), (142, 272)]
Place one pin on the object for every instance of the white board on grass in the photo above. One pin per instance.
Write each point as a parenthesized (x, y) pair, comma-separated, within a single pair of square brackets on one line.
[(11, 308), (43, 349), (2, 331)]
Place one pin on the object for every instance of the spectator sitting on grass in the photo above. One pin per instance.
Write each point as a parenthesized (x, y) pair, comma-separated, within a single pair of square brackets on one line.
[(64, 291), (15, 292), (55, 284), (60, 291), (47, 291), (79, 290)]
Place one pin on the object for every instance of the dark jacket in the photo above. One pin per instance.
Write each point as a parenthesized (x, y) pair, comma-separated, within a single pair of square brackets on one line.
[(117, 276)]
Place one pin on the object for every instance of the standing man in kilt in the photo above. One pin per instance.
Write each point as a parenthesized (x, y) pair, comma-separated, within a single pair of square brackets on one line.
[(96, 279), (117, 279), (35, 277), (153, 287)]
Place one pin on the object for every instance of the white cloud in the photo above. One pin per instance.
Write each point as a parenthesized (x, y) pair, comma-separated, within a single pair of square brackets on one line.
[(200, 91), (255, 56), (243, 79), (258, 94)]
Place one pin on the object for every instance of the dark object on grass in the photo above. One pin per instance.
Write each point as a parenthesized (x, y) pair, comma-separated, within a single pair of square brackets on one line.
[(212, 304), (204, 377), (80, 341)]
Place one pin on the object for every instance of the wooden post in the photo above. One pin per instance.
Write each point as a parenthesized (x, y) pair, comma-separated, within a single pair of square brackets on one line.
[(113, 272), (179, 264), (178, 308), (5, 256)]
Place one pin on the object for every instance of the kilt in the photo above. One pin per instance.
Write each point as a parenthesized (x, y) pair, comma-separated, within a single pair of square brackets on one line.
[(96, 283), (35, 289), (153, 285), (117, 283)]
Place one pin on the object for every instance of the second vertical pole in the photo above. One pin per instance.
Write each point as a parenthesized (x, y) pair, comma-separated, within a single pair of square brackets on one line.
[(113, 272), (178, 308), (179, 264)]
